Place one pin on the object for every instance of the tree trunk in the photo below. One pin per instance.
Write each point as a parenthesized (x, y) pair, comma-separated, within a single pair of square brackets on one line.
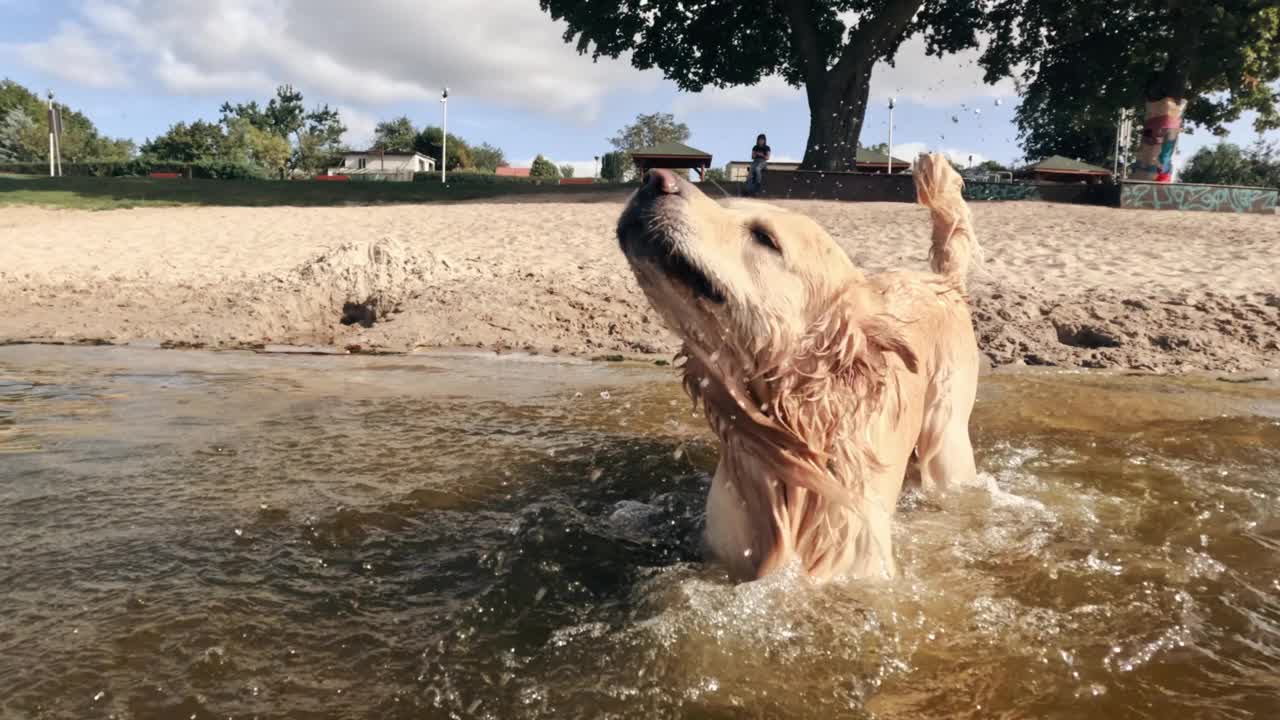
[(836, 110), (838, 94)]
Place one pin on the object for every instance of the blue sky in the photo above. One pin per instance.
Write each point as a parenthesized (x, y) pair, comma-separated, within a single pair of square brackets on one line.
[(137, 66)]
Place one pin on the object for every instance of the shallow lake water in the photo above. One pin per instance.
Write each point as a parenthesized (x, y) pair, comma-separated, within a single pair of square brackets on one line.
[(211, 535)]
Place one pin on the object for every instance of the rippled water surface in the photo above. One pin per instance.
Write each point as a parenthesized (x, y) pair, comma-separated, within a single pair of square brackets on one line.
[(228, 535)]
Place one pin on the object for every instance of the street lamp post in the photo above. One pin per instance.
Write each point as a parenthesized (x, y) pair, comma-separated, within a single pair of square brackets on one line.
[(891, 136), (596, 176), (444, 138)]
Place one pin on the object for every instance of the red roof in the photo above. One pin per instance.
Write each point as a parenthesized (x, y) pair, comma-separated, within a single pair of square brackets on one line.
[(512, 171)]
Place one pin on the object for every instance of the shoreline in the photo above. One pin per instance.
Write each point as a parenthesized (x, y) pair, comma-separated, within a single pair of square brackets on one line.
[(1064, 287)]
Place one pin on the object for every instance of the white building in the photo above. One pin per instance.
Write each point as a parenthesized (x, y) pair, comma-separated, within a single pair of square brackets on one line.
[(391, 165)]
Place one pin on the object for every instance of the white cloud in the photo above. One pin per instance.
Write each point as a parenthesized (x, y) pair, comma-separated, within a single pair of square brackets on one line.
[(909, 151), (371, 53), (360, 126), (74, 55)]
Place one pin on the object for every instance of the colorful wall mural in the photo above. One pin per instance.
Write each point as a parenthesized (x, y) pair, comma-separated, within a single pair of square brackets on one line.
[(1215, 198)]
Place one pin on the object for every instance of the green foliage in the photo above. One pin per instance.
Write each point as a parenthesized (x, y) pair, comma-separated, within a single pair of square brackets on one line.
[(471, 176), (488, 157), (245, 144), (566, 170), (316, 134), (15, 127), (187, 143), (717, 175), (397, 135), (429, 142), (650, 130), (1227, 164), (613, 166), (1080, 62), (209, 169), (990, 166), (543, 168), (29, 139)]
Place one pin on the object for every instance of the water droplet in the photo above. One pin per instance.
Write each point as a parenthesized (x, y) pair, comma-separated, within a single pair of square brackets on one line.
[(678, 453), (239, 532), (604, 395), (955, 119), (704, 382), (537, 597), (596, 474), (746, 553), (367, 565), (101, 694), (999, 102)]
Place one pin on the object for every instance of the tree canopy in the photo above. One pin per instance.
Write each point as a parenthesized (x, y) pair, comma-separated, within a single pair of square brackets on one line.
[(24, 130), (828, 47), (1080, 62), (397, 135), (648, 130), (316, 134), (543, 168), (1228, 164), (487, 157)]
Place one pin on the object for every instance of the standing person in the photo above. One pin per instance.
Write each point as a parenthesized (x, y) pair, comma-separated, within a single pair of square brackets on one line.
[(759, 158)]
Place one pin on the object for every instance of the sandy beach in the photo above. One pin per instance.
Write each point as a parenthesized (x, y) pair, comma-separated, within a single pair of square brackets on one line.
[(1062, 285)]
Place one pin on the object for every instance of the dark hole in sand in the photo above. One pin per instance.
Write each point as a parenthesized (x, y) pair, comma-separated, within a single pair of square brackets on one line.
[(364, 314)]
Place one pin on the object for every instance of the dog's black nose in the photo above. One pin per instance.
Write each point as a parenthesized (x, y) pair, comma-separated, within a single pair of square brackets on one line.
[(663, 181)]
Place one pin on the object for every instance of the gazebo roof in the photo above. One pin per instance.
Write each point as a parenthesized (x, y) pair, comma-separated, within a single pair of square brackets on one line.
[(1060, 164), (671, 150), (875, 157)]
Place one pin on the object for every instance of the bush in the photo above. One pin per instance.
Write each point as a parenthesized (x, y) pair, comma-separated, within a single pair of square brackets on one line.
[(142, 167), (480, 177), (225, 170)]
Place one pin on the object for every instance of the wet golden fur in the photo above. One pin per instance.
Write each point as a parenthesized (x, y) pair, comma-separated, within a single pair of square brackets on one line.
[(819, 381)]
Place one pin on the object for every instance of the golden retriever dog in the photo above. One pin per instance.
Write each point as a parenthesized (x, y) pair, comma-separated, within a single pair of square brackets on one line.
[(820, 381)]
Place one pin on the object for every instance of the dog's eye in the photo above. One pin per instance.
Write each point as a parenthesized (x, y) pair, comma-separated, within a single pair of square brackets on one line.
[(763, 237)]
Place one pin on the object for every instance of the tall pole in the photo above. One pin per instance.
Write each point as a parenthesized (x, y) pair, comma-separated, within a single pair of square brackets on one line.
[(890, 136), (51, 126), (444, 138)]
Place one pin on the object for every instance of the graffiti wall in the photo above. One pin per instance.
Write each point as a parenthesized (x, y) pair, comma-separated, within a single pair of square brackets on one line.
[(1214, 198)]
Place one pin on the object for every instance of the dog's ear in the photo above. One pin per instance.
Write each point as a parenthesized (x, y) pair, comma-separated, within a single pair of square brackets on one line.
[(884, 335), (855, 347)]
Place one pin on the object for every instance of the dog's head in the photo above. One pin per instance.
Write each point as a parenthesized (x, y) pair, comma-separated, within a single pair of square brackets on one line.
[(738, 268)]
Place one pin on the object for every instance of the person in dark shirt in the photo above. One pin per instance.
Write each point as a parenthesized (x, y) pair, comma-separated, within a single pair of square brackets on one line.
[(759, 158)]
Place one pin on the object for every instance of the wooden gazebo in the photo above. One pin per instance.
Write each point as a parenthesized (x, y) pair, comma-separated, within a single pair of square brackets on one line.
[(874, 161), (1061, 169), (672, 155)]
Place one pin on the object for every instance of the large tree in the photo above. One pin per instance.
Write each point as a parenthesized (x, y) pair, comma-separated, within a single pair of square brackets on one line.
[(828, 47), (184, 142), (430, 142), (316, 134), (1083, 61), (26, 132), (396, 135), (488, 157), (647, 131)]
